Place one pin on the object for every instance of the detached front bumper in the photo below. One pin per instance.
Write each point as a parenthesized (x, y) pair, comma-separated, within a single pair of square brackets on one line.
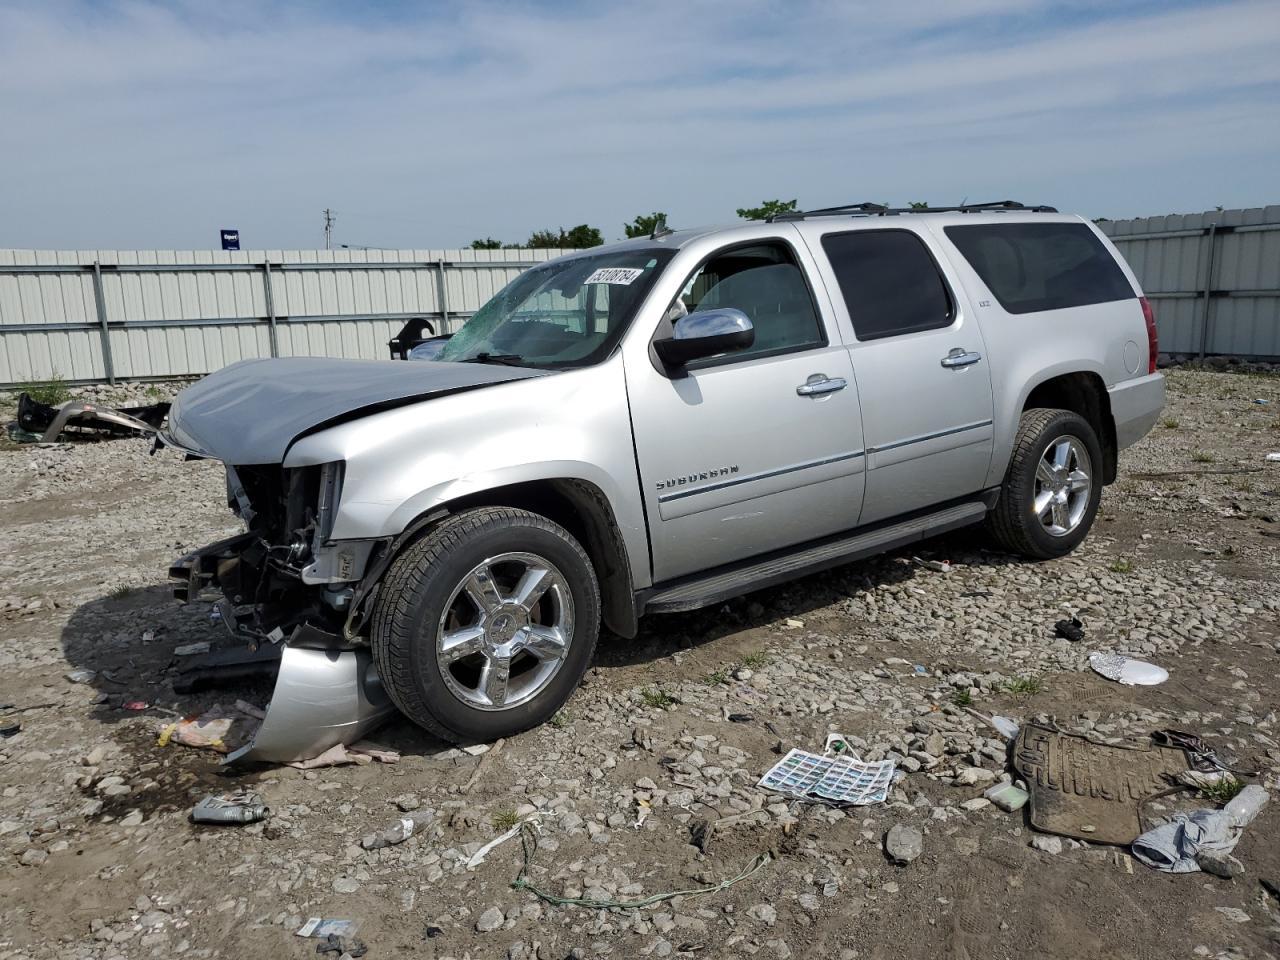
[(327, 690)]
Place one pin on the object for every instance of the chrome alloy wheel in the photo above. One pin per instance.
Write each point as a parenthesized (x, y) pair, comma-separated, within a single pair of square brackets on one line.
[(1063, 486), (505, 631)]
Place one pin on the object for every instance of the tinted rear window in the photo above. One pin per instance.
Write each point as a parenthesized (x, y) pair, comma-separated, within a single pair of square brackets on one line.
[(889, 281), (1041, 266)]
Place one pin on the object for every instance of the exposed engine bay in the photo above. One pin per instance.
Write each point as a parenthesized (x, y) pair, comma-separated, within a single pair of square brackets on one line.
[(279, 587)]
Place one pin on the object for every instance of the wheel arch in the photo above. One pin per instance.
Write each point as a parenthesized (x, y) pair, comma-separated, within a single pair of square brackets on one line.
[(580, 507), (1085, 393)]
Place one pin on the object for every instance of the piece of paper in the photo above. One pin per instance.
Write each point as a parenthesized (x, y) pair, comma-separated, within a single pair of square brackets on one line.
[(622, 276), (839, 779)]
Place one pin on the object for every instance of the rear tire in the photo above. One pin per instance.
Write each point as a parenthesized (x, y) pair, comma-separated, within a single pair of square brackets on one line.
[(1052, 487), (485, 626)]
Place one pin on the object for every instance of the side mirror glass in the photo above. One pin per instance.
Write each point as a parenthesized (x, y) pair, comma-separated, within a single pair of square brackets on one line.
[(428, 349), (705, 334)]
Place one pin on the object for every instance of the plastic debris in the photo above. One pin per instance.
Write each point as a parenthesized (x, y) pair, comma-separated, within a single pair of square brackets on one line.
[(238, 808), (336, 945), (941, 566), (477, 858), (1072, 630), (1177, 846), (218, 728), (325, 928), (339, 755), (1273, 457), (192, 649), (82, 676), (1007, 797), (400, 831), (136, 706), (838, 778), (9, 727), (1126, 670)]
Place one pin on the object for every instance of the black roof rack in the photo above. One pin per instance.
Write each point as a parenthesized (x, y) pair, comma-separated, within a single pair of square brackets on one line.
[(880, 210)]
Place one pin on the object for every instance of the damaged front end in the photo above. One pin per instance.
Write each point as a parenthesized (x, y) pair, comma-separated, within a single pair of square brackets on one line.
[(284, 587)]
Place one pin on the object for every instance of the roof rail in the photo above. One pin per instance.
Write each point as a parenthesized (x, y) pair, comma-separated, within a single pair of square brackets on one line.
[(866, 209)]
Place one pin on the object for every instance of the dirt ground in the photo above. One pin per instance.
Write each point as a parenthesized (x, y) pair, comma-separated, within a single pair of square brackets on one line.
[(669, 731)]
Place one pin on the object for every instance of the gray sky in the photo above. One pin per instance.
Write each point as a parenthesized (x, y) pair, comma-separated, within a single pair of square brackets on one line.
[(139, 125)]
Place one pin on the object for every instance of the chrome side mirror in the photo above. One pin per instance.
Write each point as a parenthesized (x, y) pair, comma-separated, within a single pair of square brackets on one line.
[(706, 333)]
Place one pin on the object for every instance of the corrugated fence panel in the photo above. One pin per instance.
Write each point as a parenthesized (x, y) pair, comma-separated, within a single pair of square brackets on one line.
[(1213, 278), (181, 312)]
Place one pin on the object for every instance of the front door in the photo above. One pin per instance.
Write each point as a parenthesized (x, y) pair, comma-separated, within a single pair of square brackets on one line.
[(754, 450), (923, 380)]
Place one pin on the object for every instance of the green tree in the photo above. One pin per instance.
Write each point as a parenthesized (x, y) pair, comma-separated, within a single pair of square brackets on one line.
[(576, 239), (644, 225), (769, 208), (488, 243), (918, 204)]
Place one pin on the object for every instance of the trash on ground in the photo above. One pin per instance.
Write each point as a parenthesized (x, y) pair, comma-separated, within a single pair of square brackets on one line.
[(902, 843), (82, 676), (218, 728), (400, 831), (9, 727), (46, 423), (1072, 630), (1261, 402), (340, 755), (235, 808), (477, 858), (324, 928), (838, 778), (1273, 457), (941, 566), (1126, 670), (135, 706), (1088, 790), (529, 846), (1008, 797), (336, 945), (1004, 726), (1177, 846), (192, 649)]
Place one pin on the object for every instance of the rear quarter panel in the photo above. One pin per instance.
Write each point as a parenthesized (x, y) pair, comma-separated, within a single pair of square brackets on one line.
[(1026, 349)]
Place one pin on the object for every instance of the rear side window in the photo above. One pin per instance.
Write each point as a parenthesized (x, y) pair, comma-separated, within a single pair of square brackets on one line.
[(889, 282), (1041, 266)]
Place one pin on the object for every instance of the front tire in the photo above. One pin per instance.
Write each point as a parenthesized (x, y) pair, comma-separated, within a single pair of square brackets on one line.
[(1052, 487), (485, 626)]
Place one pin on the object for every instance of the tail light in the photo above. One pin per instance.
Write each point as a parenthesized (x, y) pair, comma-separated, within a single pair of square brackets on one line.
[(1153, 346)]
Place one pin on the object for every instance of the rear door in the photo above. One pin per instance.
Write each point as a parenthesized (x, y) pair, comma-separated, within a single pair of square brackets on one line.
[(923, 378), (758, 449)]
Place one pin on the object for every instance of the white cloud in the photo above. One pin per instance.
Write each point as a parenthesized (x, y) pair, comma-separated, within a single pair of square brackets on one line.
[(138, 124)]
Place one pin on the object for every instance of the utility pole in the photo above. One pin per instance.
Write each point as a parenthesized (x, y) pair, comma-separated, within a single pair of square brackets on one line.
[(328, 228)]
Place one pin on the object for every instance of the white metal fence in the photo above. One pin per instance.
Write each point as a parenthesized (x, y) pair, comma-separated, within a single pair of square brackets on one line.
[(1213, 278), (93, 316)]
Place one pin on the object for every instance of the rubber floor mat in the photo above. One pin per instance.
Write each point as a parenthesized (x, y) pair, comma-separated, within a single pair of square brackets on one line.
[(1088, 790)]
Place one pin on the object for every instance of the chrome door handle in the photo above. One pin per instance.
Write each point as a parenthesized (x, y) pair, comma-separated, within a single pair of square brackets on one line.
[(959, 357), (820, 383)]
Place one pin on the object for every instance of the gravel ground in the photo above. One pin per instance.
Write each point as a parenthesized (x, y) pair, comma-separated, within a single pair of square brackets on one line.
[(669, 732)]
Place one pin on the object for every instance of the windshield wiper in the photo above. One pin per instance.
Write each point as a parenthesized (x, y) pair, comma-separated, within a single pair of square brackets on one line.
[(507, 359)]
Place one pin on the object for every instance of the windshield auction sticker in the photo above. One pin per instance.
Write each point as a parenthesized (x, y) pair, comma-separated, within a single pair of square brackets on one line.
[(618, 275)]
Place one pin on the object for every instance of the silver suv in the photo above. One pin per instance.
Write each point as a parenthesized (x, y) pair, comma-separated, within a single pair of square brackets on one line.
[(658, 425)]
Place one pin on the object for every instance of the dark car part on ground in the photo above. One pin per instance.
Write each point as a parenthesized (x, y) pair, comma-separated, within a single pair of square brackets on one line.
[(40, 422)]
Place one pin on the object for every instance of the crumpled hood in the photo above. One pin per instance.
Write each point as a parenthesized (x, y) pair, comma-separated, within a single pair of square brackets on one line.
[(251, 411)]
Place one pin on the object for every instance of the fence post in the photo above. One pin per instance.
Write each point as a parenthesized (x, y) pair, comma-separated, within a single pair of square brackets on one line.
[(101, 304), (1208, 287), (271, 307), (443, 285)]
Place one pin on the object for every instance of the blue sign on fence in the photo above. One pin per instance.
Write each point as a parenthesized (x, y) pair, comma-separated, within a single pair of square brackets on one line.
[(230, 239)]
